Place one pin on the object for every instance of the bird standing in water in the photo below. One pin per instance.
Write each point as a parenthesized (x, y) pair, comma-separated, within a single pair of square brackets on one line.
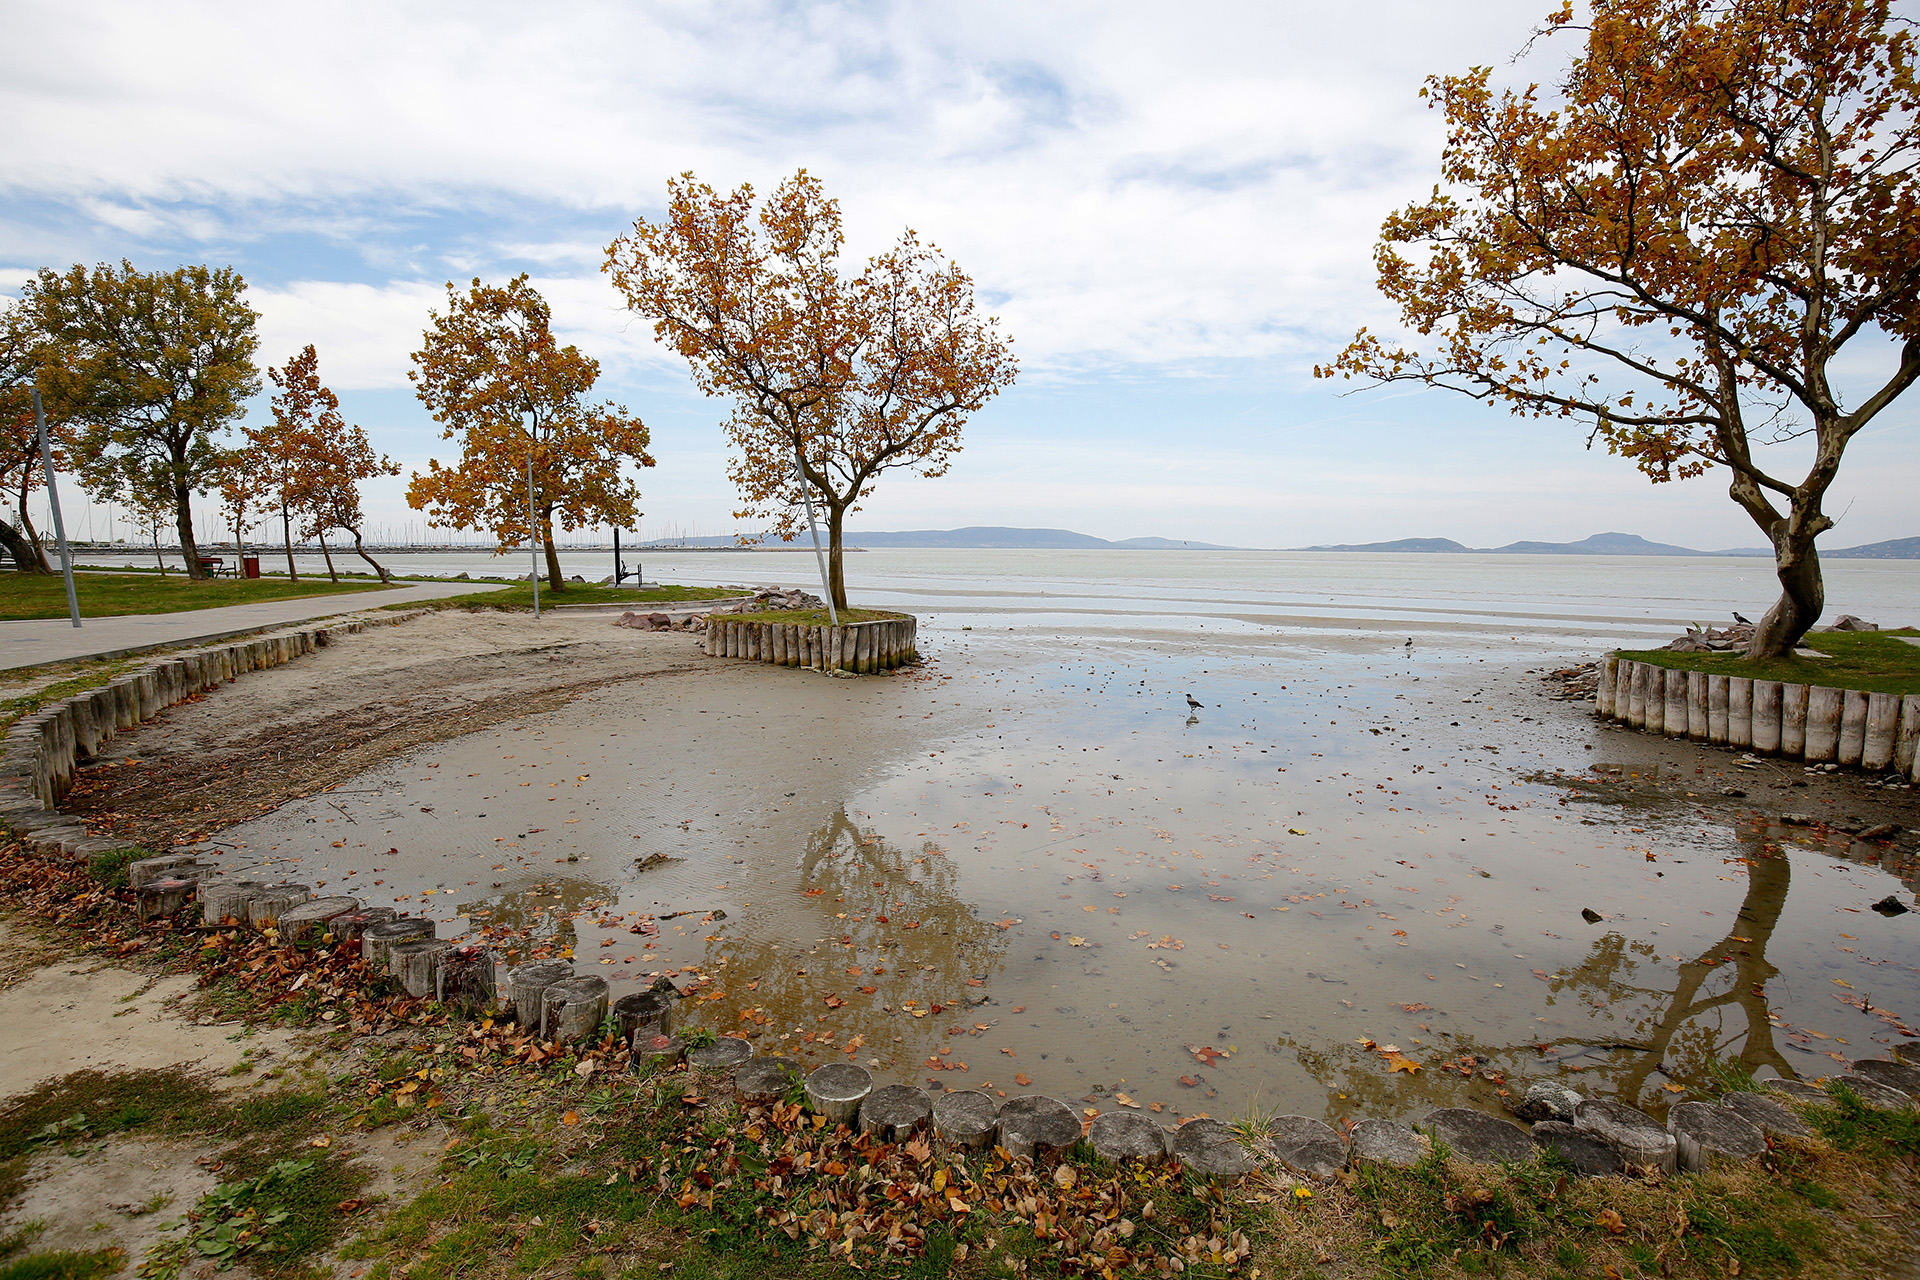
[(1192, 705)]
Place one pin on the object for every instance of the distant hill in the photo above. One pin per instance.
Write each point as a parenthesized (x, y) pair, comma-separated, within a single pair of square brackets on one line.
[(1625, 544), (978, 537)]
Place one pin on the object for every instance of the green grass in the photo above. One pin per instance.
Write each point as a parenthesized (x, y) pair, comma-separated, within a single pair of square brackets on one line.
[(63, 1264), (519, 595), (1870, 661), (817, 617), (105, 595)]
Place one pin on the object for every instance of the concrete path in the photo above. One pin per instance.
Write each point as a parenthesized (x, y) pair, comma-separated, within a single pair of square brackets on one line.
[(39, 640)]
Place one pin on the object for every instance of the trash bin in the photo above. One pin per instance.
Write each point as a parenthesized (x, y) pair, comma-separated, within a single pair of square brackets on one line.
[(250, 566)]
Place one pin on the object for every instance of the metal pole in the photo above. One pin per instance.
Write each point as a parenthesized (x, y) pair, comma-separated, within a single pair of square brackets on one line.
[(53, 500), (806, 495), (533, 540)]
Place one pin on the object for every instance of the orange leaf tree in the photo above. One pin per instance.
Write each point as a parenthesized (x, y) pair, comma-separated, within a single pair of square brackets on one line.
[(333, 501), (494, 377), (1713, 215), (835, 378), (22, 349), (155, 365), (287, 459)]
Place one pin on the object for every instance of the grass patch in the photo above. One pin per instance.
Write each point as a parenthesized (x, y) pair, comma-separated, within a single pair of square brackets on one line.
[(63, 1264), (104, 595), (110, 868), (1870, 661), (817, 617), (519, 595)]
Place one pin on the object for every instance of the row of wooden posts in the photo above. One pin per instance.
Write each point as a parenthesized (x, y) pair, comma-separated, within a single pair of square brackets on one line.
[(862, 647), (1876, 732)]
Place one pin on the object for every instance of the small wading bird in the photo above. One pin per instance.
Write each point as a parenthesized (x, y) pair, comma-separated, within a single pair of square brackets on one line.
[(1192, 705), (1740, 620), (1409, 643)]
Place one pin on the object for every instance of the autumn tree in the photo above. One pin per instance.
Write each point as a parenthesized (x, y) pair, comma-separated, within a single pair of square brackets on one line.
[(1701, 243), (333, 502), (290, 458), (494, 378), (246, 493), (21, 353), (833, 379), (155, 367)]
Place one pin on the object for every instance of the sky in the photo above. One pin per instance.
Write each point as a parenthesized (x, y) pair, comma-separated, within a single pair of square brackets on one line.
[(1171, 209)]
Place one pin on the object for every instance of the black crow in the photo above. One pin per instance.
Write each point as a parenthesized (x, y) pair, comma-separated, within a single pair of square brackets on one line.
[(1740, 620), (1192, 705)]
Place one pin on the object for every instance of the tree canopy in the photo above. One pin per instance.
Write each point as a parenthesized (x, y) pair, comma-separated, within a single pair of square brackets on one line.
[(153, 367), (833, 379), (1711, 215), (495, 378)]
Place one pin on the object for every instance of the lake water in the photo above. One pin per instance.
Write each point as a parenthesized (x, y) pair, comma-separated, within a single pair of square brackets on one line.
[(1350, 884)]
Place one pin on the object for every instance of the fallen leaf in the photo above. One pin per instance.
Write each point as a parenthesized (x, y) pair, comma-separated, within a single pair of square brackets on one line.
[(1611, 1220), (1022, 1079), (1399, 1063), (1125, 1101)]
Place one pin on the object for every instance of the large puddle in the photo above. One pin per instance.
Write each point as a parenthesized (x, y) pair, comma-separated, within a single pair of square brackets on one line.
[(1351, 883)]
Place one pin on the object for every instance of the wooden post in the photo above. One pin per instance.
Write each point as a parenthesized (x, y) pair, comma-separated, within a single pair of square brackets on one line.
[(264, 908), (465, 980), (863, 650), (779, 645), (1766, 717), (761, 1082), (311, 918), (417, 965), (1852, 748), (1823, 724), (1034, 1125), (163, 897), (354, 924), (895, 1111), (837, 1090), (965, 1119), (1697, 706), (527, 985), (1883, 718), (1717, 710), (1740, 712), (1603, 690), (572, 1009), (1656, 698), (1676, 726), (1906, 738), (795, 654), (644, 1013), (222, 900), (1637, 695), (376, 943), (1793, 721)]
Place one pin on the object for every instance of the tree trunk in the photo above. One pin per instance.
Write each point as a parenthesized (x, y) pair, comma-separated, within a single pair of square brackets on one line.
[(553, 552), (157, 557), (183, 520), (26, 522), (836, 575), (361, 551), (1803, 595), (286, 532), (20, 550), (333, 576)]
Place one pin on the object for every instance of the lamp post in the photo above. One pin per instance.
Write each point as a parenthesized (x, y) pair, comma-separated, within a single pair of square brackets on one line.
[(533, 543)]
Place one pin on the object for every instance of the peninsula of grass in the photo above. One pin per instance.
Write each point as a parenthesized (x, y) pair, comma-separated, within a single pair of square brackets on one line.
[(1870, 661), (519, 595), (106, 595), (817, 617)]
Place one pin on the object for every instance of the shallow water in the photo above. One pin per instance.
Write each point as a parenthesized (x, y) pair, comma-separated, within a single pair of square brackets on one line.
[(1350, 884)]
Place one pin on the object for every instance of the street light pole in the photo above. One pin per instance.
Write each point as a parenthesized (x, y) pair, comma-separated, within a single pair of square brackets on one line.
[(53, 500), (533, 542)]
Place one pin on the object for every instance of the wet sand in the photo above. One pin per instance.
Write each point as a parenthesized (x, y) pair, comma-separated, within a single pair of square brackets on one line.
[(1351, 884)]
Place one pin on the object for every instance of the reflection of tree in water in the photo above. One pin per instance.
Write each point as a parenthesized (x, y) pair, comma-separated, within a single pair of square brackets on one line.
[(890, 919), (534, 918), (1713, 1009)]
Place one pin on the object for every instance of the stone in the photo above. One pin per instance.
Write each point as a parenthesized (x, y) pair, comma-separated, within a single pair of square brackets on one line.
[(1894, 1075), (1033, 1125), (1122, 1136), (643, 1013), (1479, 1138), (1704, 1134), (310, 919), (1386, 1142), (1307, 1147), (1799, 1091), (416, 963), (895, 1111), (1879, 1096), (837, 1090), (377, 939), (1212, 1150), (758, 1082), (1891, 906), (572, 1009), (720, 1057), (1637, 1136), (1589, 1156), (526, 983), (1767, 1115), (965, 1119), (1548, 1100), (222, 900)]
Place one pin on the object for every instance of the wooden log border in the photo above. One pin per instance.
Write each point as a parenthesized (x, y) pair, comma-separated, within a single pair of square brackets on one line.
[(863, 648), (1875, 732), (38, 755)]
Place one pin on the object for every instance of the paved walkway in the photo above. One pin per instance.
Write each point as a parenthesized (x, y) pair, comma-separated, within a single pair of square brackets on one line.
[(40, 640)]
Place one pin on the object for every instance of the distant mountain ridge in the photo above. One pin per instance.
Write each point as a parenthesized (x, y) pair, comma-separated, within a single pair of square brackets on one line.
[(976, 537), (1625, 544)]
